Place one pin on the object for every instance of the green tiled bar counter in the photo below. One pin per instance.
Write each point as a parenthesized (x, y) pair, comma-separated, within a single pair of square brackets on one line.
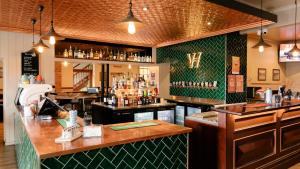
[(161, 146)]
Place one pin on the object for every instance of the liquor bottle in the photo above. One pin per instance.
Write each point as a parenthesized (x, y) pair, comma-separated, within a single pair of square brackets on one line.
[(150, 59), (91, 54), (125, 56), (79, 54), (75, 53), (135, 58), (70, 54), (126, 101), (83, 54), (110, 57), (96, 55), (66, 54), (105, 99), (100, 54), (109, 98), (87, 54), (114, 55), (114, 99)]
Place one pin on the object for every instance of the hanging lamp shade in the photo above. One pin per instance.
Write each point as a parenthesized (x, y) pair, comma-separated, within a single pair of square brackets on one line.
[(295, 51), (131, 22), (52, 36), (32, 51), (261, 44), (40, 46)]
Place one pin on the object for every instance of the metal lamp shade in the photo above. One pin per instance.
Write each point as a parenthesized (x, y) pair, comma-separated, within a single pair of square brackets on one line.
[(40, 44), (294, 50), (52, 33), (261, 42), (32, 52)]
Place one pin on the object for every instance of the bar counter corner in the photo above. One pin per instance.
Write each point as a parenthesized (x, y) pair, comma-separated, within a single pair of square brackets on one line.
[(161, 146)]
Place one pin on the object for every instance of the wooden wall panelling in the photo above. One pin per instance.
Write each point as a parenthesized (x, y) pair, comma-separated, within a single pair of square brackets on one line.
[(58, 76)]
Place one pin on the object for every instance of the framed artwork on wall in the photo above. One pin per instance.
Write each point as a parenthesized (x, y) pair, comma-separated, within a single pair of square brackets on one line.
[(276, 75), (262, 74)]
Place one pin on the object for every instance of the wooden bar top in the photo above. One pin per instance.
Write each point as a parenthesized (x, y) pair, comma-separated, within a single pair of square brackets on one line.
[(135, 107), (42, 134), (253, 108), (194, 100)]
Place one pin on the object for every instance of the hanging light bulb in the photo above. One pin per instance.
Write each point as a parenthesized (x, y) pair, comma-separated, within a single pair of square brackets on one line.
[(52, 40), (40, 45), (261, 44), (261, 49), (129, 66), (131, 21), (131, 28), (52, 36)]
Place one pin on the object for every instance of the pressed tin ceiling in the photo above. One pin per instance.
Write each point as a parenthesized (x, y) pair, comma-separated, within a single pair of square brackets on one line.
[(166, 21)]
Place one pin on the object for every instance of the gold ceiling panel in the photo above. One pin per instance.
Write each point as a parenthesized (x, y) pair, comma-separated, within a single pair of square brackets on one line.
[(166, 22)]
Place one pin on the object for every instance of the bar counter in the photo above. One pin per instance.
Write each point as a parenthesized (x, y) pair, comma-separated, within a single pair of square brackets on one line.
[(194, 101), (253, 135), (247, 109), (150, 146), (108, 114)]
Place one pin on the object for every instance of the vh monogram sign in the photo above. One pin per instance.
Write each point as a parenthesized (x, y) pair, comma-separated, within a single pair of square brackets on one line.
[(194, 59)]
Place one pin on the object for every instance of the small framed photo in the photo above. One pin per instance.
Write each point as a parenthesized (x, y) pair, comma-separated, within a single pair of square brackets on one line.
[(276, 75), (262, 74)]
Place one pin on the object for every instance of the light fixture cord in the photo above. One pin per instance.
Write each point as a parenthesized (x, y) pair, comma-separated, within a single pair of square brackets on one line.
[(261, 16), (52, 13), (40, 21), (295, 23), (33, 32), (130, 5)]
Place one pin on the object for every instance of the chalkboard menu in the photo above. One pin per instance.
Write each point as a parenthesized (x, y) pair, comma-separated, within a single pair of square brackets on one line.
[(30, 64)]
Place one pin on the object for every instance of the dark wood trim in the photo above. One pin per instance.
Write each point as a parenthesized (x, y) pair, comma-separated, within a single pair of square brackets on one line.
[(232, 4)]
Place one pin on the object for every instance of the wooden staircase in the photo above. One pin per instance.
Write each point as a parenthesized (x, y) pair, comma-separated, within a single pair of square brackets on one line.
[(82, 77)]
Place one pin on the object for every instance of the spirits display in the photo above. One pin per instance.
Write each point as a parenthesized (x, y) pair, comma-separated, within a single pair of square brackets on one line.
[(132, 90), (108, 54)]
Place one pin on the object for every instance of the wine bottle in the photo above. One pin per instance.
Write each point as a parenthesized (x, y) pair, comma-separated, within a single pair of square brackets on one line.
[(66, 54)]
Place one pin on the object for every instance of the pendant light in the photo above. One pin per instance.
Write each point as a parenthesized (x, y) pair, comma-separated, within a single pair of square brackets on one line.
[(131, 21), (52, 36), (295, 51), (32, 51), (261, 44), (40, 45)]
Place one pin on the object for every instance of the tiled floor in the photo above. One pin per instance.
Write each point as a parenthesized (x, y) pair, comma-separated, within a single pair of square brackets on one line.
[(7, 153)]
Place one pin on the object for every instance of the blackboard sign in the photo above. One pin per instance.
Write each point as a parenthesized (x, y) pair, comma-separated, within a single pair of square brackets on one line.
[(30, 64)]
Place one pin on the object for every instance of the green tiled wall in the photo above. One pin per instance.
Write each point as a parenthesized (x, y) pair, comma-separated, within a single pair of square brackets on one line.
[(215, 65), (237, 46), (164, 153), (26, 156), (212, 66)]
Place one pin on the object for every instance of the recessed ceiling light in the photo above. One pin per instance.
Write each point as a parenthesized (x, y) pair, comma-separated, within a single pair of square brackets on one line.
[(208, 23)]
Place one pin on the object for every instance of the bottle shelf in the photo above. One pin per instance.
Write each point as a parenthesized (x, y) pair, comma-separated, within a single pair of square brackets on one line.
[(194, 87), (83, 60)]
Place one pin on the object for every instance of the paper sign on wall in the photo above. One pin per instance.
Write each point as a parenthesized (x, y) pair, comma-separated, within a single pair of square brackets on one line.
[(239, 79), (235, 65), (231, 83)]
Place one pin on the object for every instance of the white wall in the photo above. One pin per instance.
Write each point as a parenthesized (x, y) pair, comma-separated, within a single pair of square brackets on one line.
[(11, 46), (269, 60)]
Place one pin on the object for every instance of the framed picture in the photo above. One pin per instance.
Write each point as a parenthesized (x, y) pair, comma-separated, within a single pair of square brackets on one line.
[(262, 74), (276, 75)]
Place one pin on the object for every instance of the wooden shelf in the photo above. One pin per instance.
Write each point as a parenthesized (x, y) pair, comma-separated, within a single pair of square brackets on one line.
[(96, 61)]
